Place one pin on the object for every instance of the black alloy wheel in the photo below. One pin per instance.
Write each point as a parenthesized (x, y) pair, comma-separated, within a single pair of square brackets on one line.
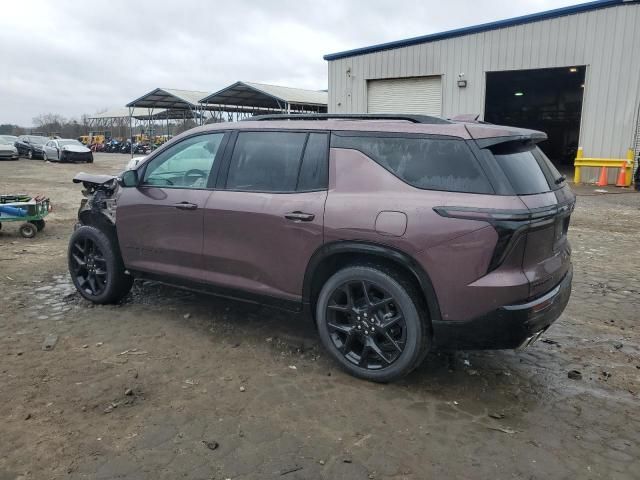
[(89, 266), (366, 325)]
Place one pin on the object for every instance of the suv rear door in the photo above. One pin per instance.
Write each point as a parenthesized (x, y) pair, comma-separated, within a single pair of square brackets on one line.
[(265, 220)]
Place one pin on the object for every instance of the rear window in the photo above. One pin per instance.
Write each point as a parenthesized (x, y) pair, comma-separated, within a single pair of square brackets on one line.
[(426, 163), (526, 167)]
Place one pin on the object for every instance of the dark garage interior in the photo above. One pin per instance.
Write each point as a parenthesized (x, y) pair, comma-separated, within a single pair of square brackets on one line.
[(548, 99)]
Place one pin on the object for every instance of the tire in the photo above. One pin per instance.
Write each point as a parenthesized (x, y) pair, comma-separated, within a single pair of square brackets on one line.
[(44, 156), (96, 267), (90, 160), (392, 351), (30, 154), (40, 224), (28, 230)]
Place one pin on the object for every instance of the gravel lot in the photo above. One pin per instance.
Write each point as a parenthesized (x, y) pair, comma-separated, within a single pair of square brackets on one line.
[(172, 384)]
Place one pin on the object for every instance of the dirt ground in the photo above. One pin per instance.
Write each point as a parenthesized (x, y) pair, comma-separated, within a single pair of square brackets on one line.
[(172, 384)]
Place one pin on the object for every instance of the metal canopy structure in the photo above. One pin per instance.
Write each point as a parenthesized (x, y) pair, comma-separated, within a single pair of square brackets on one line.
[(116, 121), (254, 98), (167, 104), (169, 98)]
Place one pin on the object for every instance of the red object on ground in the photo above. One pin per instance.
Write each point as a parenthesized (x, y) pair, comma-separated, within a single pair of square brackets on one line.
[(602, 181), (622, 175)]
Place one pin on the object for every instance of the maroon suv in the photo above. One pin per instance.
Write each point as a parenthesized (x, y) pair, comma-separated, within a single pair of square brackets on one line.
[(397, 234)]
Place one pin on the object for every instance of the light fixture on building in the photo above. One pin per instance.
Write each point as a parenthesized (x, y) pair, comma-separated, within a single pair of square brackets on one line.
[(462, 82), (573, 69), (518, 94)]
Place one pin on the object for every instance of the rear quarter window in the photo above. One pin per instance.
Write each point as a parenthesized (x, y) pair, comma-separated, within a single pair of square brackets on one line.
[(526, 167), (426, 163)]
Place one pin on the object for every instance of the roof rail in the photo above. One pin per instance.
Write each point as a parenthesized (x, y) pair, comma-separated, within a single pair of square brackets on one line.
[(352, 116)]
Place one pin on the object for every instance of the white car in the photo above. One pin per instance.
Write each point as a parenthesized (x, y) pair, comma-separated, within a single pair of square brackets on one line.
[(8, 150), (134, 162), (66, 150)]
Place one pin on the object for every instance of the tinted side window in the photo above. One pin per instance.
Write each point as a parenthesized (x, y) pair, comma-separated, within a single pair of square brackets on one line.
[(314, 171), (431, 164), (520, 162), (266, 161)]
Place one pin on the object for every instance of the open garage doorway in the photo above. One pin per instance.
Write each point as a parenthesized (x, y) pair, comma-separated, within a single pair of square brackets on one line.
[(548, 99)]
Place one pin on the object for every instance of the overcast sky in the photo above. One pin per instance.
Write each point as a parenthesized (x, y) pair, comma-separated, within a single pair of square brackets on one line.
[(73, 57)]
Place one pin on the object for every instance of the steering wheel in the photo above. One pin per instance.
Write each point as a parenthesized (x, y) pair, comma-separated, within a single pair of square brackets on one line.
[(194, 174)]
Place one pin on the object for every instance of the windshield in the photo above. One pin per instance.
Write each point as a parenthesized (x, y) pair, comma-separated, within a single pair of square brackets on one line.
[(62, 143), (38, 140)]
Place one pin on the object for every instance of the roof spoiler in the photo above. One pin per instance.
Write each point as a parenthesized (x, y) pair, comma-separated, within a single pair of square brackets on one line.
[(466, 117), (533, 137)]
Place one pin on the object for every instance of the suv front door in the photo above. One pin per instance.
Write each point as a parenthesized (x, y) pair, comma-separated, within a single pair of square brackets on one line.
[(159, 222), (264, 223)]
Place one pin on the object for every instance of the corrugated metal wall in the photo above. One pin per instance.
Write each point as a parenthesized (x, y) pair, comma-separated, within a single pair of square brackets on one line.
[(607, 41)]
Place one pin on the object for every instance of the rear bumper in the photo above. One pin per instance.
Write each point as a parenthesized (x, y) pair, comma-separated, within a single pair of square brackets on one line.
[(510, 326)]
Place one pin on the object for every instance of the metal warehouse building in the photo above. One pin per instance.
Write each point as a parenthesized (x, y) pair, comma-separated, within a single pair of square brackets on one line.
[(573, 72)]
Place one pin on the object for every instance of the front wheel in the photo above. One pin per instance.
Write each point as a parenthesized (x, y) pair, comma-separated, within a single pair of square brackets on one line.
[(371, 321), (40, 224), (96, 267), (30, 154)]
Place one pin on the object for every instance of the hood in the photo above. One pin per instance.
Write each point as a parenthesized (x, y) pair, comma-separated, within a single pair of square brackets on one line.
[(75, 149), (7, 146)]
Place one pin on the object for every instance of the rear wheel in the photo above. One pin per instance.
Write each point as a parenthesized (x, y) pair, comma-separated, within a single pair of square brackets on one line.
[(370, 320), (96, 267), (28, 230)]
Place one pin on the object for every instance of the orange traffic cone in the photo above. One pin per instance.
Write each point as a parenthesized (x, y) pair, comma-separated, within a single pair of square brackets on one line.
[(602, 181), (622, 175)]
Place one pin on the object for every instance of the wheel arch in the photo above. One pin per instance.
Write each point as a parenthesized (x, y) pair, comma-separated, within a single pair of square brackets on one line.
[(329, 258)]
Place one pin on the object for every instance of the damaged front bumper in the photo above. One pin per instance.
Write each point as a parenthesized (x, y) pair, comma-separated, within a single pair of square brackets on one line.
[(100, 193)]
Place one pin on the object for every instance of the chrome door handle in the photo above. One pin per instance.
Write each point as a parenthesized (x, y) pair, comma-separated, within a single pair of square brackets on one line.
[(299, 216), (185, 206)]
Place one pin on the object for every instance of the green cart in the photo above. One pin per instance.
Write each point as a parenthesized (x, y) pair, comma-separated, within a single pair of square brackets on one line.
[(28, 210)]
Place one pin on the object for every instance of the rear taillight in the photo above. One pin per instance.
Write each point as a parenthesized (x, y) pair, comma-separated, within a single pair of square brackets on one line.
[(509, 224)]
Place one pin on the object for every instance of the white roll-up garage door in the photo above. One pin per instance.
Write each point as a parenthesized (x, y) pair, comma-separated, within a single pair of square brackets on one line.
[(419, 95)]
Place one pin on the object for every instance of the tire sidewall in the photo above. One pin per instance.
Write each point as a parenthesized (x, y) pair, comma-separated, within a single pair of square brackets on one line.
[(112, 261), (30, 228), (414, 324)]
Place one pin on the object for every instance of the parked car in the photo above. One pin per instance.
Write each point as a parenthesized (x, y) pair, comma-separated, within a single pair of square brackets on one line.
[(397, 234), (30, 146), (66, 150), (8, 151)]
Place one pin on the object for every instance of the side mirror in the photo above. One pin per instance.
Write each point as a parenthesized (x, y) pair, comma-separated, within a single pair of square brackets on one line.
[(129, 179)]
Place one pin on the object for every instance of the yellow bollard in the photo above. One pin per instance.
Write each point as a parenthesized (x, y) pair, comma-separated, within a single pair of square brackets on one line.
[(577, 173)]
